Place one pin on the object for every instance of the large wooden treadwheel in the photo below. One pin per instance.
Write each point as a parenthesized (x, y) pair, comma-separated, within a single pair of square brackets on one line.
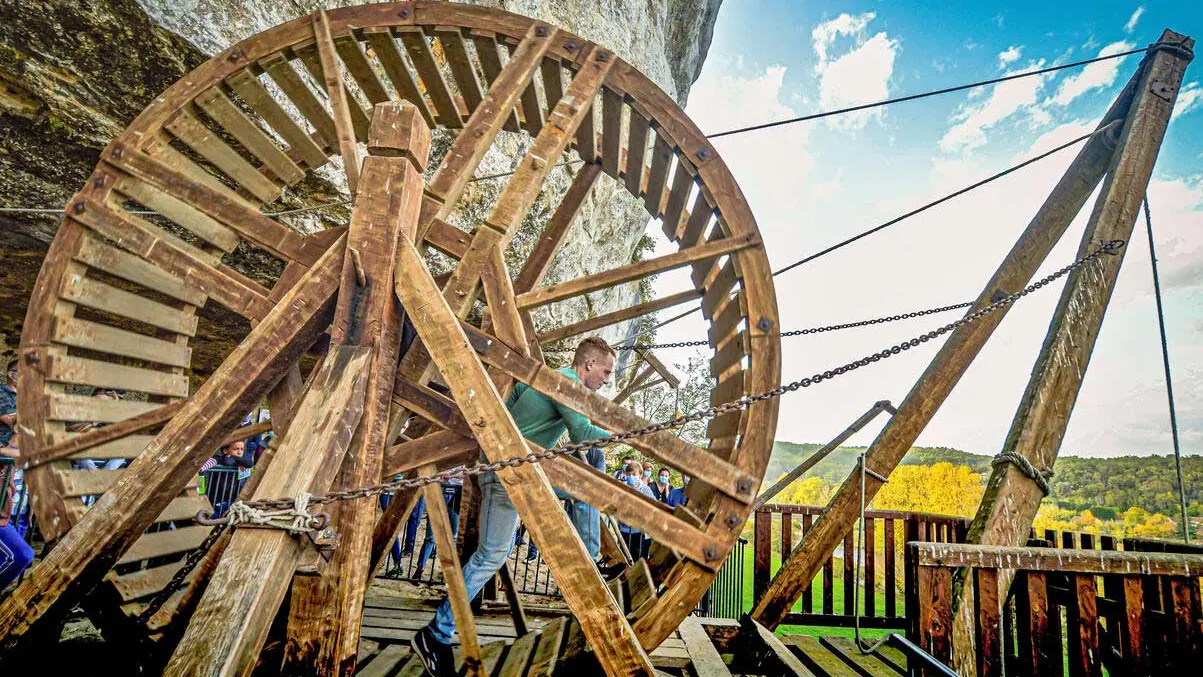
[(117, 299)]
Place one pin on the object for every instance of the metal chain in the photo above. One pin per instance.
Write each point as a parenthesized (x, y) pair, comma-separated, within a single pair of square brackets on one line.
[(1109, 247), (788, 334), (177, 581)]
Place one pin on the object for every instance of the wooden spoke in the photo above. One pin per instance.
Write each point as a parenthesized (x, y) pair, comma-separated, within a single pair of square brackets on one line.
[(339, 99), (539, 261), (132, 234), (527, 486), (520, 192), (448, 239), (437, 447), (440, 526), (617, 316), (634, 271)]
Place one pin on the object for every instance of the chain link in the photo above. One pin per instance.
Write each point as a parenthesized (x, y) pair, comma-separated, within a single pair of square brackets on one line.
[(177, 581), (1109, 247), (787, 334)]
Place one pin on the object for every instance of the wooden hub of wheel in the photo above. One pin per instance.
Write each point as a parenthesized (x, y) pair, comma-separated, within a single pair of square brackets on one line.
[(119, 299)]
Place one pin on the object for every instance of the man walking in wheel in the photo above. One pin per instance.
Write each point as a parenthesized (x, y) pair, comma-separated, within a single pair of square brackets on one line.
[(543, 421)]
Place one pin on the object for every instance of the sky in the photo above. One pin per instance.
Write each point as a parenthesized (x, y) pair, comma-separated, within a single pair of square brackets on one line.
[(812, 184)]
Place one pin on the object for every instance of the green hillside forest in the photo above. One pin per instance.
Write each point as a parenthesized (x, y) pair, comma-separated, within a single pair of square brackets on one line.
[(1125, 495)]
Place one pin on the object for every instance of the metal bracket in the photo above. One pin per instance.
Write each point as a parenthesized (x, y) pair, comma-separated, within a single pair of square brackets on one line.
[(324, 541), (1162, 89)]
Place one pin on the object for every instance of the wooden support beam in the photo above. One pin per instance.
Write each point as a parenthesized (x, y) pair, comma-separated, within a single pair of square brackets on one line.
[(158, 475), (461, 606), (227, 631), (325, 611), (1005, 515), (607, 319), (635, 271), (944, 371), (541, 256), (527, 486), (339, 103), (812, 460)]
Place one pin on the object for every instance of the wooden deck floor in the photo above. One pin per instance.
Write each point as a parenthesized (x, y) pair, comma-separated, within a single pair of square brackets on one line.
[(555, 646)]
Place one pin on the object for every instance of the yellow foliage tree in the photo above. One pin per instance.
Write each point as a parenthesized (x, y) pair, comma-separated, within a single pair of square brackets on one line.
[(942, 489), (807, 491)]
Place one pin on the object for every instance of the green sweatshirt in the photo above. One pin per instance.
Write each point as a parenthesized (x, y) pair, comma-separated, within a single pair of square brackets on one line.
[(543, 421)]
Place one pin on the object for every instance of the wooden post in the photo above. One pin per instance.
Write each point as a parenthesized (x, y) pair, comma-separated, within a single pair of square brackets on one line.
[(160, 473), (345, 410), (1011, 498), (325, 610), (945, 369)]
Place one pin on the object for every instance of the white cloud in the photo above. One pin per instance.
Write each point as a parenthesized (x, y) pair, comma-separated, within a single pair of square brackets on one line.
[(1098, 75), (860, 75), (1009, 56), (1131, 25), (845, 24), (1007, 99), (1190, 98)]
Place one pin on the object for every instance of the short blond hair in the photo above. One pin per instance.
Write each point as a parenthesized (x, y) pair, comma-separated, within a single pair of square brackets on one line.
[(593, 346)]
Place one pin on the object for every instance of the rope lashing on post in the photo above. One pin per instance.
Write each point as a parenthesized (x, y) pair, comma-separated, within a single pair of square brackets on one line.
[(1040, 477), (288, 505), (294, 519)]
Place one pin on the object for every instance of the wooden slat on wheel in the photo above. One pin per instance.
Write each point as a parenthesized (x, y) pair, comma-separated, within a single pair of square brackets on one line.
[(208, 145), (384, 45), (255, 96), (219, 107), (446, 112)]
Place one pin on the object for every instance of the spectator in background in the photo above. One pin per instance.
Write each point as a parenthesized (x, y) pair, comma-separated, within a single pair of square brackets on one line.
[(663, 486), (622, 469), (453, 490), (84, 426), (677, 496), (634, 479), (15, 553), (225, 477)]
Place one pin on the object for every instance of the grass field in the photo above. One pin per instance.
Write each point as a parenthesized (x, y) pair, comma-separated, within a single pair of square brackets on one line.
[(837, 597)]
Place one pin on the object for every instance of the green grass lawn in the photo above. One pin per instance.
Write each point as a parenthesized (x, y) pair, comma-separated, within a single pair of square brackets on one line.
[(817, 588)]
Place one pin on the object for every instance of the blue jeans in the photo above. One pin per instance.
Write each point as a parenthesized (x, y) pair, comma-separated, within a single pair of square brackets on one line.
[(498, 522), (586, 518), (411, 527), (15, 555), (451, 498)]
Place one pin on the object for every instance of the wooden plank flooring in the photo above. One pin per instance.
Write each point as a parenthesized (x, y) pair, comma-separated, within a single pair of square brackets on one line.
[(390, 621)]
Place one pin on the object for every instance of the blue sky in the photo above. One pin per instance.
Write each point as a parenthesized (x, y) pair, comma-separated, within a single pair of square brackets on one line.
[(814, 183)]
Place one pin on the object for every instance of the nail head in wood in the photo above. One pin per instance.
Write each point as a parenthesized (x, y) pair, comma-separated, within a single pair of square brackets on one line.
[(398, 130)]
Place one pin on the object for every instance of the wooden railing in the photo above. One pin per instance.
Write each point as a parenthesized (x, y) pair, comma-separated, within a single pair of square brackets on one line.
[(778, 528), (1129, 613)]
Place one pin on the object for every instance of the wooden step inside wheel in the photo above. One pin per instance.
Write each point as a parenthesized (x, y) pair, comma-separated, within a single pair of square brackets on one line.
[(354, 93)]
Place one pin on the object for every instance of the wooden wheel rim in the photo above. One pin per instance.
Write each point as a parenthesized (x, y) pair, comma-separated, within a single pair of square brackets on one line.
[(738, 322)]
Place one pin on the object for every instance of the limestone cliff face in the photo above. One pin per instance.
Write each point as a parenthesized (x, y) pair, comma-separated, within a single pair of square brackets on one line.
[(73, 74)]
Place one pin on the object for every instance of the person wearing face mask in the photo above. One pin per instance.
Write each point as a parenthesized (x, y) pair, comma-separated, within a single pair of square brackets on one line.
[(662, 486), (543, 421), (637, 544), (677, 496)]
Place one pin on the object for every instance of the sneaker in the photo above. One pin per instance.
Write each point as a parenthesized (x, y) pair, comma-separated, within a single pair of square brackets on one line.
[(436, 656), (611, 571)]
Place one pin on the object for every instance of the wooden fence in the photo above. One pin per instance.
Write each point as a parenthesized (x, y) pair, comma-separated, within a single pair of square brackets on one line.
[(1128, 613), (886, 532)]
